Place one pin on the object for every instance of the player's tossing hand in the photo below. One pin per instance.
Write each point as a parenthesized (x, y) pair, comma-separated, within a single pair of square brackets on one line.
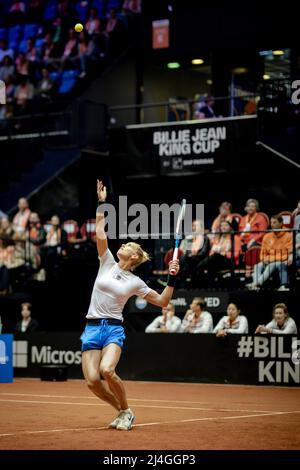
[(101, 191)]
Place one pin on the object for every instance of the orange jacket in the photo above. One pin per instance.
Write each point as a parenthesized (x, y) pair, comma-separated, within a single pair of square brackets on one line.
[(276, 246), (258, 222), (222, 245)]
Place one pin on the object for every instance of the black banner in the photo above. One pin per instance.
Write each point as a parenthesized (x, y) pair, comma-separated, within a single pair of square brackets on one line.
[(245, 359), (191, 147), (215, 302)]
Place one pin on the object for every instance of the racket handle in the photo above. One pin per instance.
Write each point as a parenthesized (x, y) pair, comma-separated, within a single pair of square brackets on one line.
[(175, 256)]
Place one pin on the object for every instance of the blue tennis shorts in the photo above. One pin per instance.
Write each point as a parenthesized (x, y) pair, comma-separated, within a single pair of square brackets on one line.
[(100, 333)]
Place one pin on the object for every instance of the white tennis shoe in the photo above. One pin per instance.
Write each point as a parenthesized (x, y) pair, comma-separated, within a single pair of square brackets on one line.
[(125, 420), (115, 422)]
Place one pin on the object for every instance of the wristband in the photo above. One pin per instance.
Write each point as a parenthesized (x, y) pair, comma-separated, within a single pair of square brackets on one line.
[(171, 282)]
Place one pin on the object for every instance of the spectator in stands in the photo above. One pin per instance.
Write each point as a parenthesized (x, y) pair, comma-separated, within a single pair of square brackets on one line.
[(275, 255), (195, 248), (55, 246), (35, 239), (22, 64), (93, 24), (282, 323), (250, 223), (225, 210), (7, 68), (70, 51), (110, 34), (21, 218), (233, 322), (10, 97), (16, 13), (207, 111), (4, 270), (57, 32), (24, 94), (27, 324), (47, 49), (165, 323), (88, 52), (220, 256), (196, 319), (296, 215), (12, 261), (298, 250), (199, 103), (45, 87), (4, 51), (6, 229)]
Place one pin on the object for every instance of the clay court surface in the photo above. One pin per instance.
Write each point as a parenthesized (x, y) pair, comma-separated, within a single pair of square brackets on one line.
[(65, 415)]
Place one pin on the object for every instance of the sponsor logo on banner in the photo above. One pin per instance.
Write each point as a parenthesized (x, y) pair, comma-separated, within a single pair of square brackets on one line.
[(182, 300), (23, 355), (278, 357)]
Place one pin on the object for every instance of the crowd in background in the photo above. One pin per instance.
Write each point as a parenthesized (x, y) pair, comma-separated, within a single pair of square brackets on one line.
[(261, 246), (198, 320), (42, 56)]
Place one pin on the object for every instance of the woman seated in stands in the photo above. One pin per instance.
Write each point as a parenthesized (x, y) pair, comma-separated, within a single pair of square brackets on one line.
[(194, 248), (6, 229), (220, 256), (197, 319), (282, 323), (55, 246), (233, 322), (251, 224), (225, 210)]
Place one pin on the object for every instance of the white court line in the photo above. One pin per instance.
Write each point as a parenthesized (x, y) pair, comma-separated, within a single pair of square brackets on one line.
[(155, 423), (136, 406), (133, 399), (156, 382)]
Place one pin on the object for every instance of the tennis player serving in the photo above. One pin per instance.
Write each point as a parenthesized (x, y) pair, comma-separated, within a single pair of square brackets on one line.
[(103, 337)]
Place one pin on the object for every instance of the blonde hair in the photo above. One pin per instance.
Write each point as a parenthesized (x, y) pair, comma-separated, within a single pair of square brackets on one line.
[(283, 307), (143, 256)]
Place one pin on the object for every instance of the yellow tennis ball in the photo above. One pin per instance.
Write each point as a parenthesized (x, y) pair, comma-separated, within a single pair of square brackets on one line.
[(78, 27)]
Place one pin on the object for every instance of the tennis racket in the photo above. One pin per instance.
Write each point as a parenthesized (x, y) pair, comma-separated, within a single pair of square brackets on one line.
[(178, 232)]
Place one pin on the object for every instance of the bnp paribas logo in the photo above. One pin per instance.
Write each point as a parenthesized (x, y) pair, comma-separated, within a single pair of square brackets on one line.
[(20, 356)]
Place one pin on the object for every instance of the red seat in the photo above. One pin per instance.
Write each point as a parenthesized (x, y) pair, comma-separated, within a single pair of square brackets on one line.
[(169, 255), (88, 229), (71, 227), (252, 256), (266, 217), (288, 219)]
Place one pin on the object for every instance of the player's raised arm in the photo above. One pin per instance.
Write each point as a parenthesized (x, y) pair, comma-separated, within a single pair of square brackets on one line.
[(163, 299), (100, 219)]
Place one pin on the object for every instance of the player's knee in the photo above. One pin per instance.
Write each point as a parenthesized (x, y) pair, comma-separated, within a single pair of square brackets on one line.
[(107, 372), (92, 381)]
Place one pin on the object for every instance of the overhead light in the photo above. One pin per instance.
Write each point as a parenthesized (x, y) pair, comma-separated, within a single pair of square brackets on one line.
[(209, 81), (278, 52), (197, 61), (173, 65), (239, 70), (266, 76)]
